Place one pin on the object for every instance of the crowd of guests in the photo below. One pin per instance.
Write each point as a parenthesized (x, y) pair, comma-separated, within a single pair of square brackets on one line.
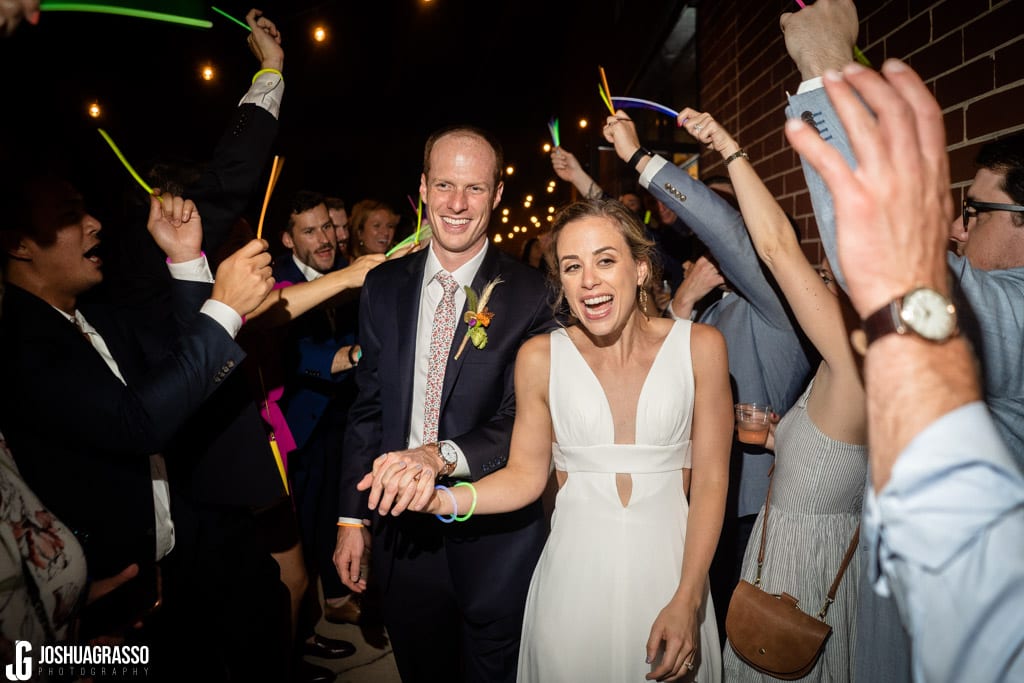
[(210, 449)]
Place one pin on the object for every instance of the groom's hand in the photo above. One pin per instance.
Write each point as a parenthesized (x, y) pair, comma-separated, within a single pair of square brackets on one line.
[(404, 480)]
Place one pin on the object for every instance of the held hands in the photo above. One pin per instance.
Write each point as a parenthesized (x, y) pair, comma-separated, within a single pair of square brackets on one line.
[(176, 227), (244, 279), (674, 642), (265, 40), (892, 211), (403, 480)]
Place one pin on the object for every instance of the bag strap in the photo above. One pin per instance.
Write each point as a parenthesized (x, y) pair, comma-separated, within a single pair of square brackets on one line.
[(850, 550)]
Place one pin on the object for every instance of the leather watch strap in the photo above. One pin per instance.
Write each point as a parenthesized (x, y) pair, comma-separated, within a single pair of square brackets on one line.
[(885, 320)]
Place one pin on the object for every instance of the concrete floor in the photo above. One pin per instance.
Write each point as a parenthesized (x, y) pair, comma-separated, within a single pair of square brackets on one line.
[(372, 662)]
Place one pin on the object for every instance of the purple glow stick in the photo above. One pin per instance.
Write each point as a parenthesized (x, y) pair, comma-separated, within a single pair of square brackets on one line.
[(637, 103)]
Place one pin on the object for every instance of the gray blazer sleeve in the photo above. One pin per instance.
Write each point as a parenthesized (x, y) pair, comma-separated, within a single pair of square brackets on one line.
[(815, 108), (721, 228)]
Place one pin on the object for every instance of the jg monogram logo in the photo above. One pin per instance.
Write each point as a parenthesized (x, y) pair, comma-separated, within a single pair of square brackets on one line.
[(21, 668)]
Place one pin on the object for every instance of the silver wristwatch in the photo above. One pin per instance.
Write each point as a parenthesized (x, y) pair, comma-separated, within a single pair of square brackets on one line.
[(449, 456)]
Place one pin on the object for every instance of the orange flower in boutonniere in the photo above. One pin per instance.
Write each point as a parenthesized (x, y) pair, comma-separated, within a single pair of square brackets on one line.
[(477, 317)]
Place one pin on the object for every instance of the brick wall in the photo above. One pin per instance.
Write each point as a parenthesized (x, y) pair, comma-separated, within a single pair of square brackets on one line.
[(969, 52)]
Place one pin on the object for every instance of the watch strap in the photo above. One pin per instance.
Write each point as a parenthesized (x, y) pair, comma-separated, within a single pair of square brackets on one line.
[(637, 156), (886, 320)]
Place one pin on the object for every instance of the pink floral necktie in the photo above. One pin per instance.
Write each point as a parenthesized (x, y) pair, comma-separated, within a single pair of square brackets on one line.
[(440, 343)]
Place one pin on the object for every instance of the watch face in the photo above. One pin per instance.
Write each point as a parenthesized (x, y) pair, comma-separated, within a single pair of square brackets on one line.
[(448, 454), (929, 314)]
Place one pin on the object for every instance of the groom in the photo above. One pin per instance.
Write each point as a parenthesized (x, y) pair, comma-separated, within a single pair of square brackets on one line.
[(452, 594)]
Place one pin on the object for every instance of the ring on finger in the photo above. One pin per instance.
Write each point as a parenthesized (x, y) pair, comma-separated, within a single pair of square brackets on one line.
[(697, 127)]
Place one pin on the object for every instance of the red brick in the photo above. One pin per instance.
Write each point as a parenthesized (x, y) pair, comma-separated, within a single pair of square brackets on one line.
[(954, 123), (802, 203), (961, 163), (994, 113), (794, 181), (955, 14), (812, 250), (909, 38), (775, 186), (937, 58), (971, 80), (882, 23), (999, 26), (1010, 63)]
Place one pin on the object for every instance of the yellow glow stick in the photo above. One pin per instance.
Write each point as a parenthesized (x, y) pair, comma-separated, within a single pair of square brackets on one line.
[(275, 173), (419, 220), (138, 178), (604, 98), (607, 91)]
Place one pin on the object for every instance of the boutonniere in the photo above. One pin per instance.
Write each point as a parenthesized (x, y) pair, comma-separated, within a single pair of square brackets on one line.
[(478, 317)]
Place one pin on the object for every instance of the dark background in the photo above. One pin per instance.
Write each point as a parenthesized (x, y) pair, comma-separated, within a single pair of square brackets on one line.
[(357, 107)]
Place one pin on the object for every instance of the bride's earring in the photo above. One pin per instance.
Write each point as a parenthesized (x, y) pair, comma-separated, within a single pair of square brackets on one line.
[(643, 300)]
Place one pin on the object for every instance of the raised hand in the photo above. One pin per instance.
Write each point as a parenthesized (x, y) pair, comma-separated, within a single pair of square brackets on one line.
[(892, 211), (265, 40), (703, 127), (402, 480), (176, 227), (244, 279)]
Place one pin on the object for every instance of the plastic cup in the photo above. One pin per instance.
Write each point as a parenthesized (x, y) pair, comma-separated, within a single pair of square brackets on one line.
[(752, 422)]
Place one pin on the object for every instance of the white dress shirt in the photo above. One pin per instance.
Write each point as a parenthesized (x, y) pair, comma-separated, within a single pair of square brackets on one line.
[(430, 294)]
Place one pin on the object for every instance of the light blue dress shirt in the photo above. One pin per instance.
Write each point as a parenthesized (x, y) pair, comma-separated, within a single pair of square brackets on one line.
[(946, 536)]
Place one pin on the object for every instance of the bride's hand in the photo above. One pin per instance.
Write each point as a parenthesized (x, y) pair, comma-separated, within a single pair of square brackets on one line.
[(675, 636)]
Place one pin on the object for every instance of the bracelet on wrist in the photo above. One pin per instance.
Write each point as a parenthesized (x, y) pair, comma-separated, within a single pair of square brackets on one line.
[(637, 156), (267, 71), (353, 360), (736, 155)]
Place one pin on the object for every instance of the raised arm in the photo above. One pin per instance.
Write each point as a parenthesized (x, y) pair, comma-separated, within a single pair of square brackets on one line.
[(717, 224), (567, 167), (816, 308), (287, 303)]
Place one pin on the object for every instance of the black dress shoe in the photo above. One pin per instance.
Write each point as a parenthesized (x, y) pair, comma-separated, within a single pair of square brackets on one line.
[(308, 672), (328, 648)]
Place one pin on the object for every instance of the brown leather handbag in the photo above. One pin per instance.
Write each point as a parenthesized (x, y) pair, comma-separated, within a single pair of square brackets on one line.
[(770, 632)]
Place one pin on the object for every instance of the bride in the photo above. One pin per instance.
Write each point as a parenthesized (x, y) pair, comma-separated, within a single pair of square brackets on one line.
[(635, 412)]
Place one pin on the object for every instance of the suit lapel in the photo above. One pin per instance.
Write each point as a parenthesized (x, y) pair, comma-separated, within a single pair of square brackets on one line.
[(408, 291)]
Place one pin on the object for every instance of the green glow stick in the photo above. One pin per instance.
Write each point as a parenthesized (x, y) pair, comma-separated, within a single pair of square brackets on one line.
[(228, 16), (419, 218), (123, 11), (861, 57), (425, 235), (604, 98), (138, 178)]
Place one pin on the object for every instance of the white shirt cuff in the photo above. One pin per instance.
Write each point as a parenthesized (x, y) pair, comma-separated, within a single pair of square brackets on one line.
[(809, 85), (224, 315), (651, 169), (266, 92), (196, 270)]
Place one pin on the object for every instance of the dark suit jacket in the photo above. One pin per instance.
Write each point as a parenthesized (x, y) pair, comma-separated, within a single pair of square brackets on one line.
[(477, 412), (226, 459), (82, 437), (313, 341)]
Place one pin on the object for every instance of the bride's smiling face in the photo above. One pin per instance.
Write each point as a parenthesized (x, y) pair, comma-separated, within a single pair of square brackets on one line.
[(598, 273)]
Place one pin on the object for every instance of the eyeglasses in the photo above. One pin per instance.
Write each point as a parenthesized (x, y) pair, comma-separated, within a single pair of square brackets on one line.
[(972, 208)]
